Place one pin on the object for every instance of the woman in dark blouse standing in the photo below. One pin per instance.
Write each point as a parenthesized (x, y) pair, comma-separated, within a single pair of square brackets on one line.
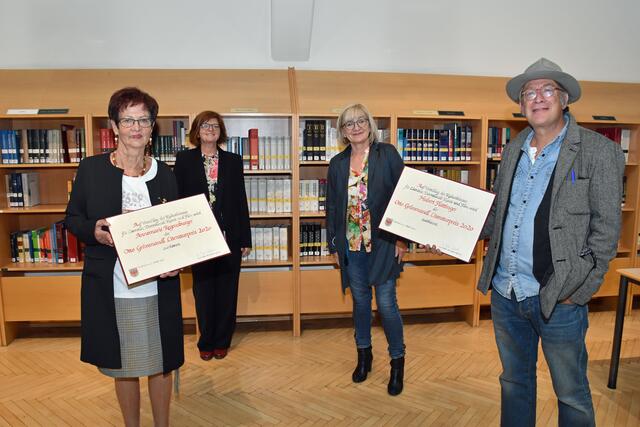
[(219, 175), (360, 182)]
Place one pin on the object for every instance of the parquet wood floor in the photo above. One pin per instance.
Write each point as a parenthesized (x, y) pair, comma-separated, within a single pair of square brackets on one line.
[(270, 378)]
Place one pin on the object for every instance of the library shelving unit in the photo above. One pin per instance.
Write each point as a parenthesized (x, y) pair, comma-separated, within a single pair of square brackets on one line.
[(278, 102), (246, 99), (267, 287), (37, 291)]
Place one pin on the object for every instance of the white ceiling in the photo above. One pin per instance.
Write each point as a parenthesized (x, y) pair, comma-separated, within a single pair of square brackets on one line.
[(592, 39)]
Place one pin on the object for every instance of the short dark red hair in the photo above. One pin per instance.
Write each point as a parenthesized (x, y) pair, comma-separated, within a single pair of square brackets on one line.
[(205, 116), (129, 96)]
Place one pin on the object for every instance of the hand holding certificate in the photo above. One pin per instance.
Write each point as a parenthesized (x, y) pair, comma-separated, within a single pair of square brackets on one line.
[(432, 210), (166, 237)]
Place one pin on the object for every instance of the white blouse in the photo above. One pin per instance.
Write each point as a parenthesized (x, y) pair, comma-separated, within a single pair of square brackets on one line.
[(135, 195)]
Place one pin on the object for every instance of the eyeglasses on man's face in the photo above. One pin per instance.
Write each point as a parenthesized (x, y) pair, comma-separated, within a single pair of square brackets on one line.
[(546, 91), (143, 122), (210, 126), (361, 122)]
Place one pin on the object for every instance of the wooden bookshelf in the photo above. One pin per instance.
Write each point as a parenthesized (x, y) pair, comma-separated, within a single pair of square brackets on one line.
[(279, 100)]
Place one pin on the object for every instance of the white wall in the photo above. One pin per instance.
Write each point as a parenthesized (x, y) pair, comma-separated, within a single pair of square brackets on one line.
[(592, 39)]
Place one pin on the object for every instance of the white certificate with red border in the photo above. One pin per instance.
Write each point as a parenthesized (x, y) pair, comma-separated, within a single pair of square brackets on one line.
[(166, 237), (428, 209)]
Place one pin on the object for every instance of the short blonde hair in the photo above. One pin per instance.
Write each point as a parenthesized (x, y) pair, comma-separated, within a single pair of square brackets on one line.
[(351, 112)]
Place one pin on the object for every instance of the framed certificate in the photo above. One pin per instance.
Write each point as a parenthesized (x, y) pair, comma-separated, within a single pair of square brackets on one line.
[(166, 237), (432, 210)]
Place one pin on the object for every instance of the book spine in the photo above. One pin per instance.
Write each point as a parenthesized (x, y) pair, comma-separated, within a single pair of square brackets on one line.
[(254, 149), (284, 243), (271, 196), (286, 195), (262, 195), (264, 153)]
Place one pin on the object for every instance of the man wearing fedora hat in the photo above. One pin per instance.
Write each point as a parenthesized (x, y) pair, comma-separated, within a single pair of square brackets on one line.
[(553, 229)]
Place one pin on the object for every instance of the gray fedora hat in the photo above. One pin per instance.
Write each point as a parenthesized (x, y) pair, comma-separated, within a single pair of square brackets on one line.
[(544, 69)]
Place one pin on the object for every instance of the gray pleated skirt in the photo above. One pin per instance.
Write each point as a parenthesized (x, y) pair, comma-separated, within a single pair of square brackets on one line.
[(140, 345)]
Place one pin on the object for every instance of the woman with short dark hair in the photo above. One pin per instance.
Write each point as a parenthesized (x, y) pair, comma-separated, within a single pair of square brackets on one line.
[(127, 332)]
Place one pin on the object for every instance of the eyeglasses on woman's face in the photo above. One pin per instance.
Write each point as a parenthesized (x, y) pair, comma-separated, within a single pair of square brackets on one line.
[(143, 122), (210, 126), (361, 122)]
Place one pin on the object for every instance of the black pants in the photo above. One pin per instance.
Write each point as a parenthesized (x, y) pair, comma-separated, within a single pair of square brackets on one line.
[(215, 288)]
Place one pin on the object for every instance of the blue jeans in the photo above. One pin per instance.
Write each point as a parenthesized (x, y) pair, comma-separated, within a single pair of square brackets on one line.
[(358, 272), (518, 327)]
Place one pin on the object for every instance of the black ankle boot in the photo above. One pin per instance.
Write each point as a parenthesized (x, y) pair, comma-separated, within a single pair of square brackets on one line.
[(397, 376), (365, 357)]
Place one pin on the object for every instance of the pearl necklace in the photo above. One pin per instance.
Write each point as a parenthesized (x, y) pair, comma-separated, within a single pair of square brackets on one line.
[(114, 162)]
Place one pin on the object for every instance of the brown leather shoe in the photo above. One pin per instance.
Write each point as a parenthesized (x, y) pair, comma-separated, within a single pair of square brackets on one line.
[(206, 355), (220, 353)]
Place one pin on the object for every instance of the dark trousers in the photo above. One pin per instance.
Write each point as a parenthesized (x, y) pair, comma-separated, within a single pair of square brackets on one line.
[(215, 288)]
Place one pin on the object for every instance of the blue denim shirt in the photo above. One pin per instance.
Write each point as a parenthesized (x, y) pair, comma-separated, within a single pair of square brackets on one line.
[(515, 269)]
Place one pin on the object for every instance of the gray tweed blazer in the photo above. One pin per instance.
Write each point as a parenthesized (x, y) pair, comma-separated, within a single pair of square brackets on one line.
[(585, 214)]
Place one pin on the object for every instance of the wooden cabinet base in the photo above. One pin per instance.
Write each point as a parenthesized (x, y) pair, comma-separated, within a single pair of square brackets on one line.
[(46, 298), (260, 293), (418, 288), (57, 298)]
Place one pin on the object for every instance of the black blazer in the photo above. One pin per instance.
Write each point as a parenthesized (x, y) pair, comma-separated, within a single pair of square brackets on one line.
[(385, 167), (231, 209), (97, 194)]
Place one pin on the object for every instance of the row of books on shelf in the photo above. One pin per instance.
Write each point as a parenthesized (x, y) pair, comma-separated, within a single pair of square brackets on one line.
[(22, 189), (163, 147), (166, 147), (107, 140), (54, 245), (269, 244), (268, 194), (261, 152), (64, 145), (451, 143), (313, 195), (318, 140), (498, 138), (313, 239), (620, 135), (313, 192)]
